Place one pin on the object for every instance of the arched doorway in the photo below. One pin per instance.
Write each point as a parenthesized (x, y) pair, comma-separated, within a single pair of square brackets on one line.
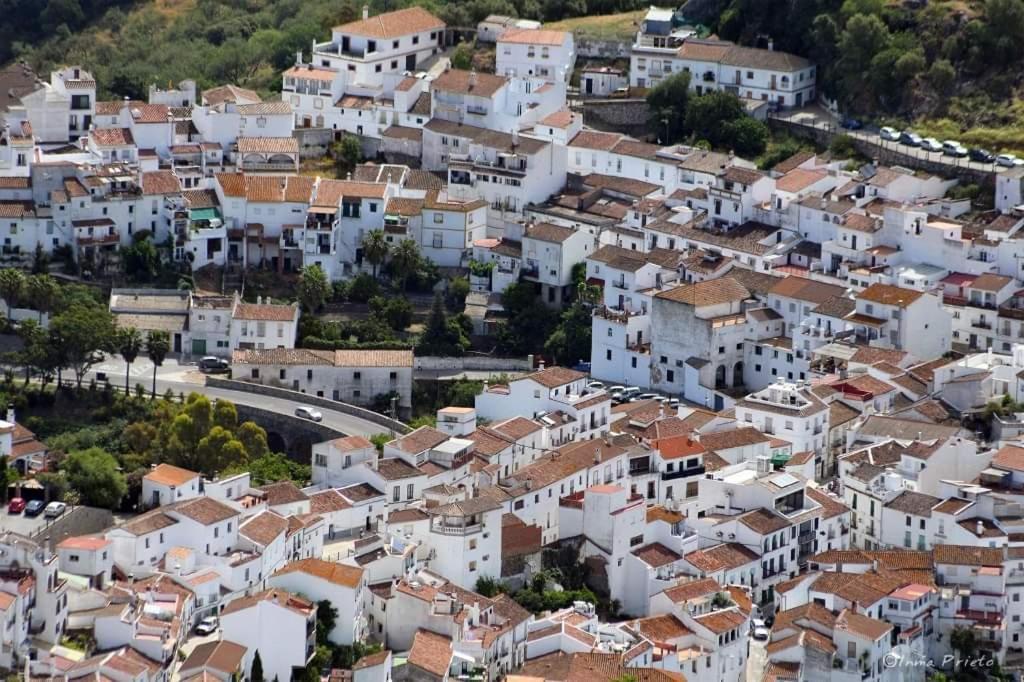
[(720, 377), (737, 374)]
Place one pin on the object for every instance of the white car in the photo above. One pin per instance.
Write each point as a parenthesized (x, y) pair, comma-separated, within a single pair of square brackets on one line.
[(890, 134), (1008, 161), (309, 413), (954, 148), (759, 630), (54, 509), (207, 626), (595, 385), (930, 144)]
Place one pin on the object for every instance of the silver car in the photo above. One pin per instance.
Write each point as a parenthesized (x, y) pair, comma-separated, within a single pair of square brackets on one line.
[(309, 413)]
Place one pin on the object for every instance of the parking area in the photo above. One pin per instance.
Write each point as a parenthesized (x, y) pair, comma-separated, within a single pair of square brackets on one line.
[(23, 525)]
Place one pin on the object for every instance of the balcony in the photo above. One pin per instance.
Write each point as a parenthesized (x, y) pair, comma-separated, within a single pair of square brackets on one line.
[(683, 473), (981, 324), (445, 529), (616, 314), (270, 166)]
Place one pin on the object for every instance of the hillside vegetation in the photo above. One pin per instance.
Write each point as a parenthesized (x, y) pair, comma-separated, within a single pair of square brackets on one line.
[(955, 67)]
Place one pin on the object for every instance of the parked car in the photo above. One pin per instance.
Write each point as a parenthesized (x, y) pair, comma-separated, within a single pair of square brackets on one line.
[(910, 139), (309, 413), (213, 364), (930, 144), (648, 396), (759, 630), (207, 626), (16, 505), (954, 148), (55, 509), (851, 124), (34, 508), (890, 134), (981, 155), (595, 385), (1008, 160)]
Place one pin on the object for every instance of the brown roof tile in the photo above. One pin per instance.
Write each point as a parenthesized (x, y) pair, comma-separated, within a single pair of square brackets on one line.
[(338, 574)]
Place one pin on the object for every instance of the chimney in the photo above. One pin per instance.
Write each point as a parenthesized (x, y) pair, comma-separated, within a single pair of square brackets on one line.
[(515, 138), (540, 365), (661, 411), (981, 528), (771, 44), (366, 12), (597, 456), (472, 79), (10, 413), (298, 58)]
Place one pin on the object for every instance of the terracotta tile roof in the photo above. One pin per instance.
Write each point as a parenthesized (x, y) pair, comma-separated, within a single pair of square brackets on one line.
[(799, 179), (469, 83), (16, 209), (952, 506), (554, 377), (763, 521), (811, 611), (832, 507), (311, 72), (722, 621), (431, 652), (338, 574), (887, 294), (595, 139), (229, 93), (519, 538), (112, 137), (404, 206), (282, 492), (372, 660), (393, 469), (147, 523), (527, 36), (402, 22), (89, 543), (267, 312), (707, 293), (805, 289), (562, 118), (855, 623), (733, 438), (600, 667), (965, 555), (516, 427), (910, 502), (160, 182), (142, 112), (660, 513), (168, 474), (548, 232), (423, 438), (661, 629), (743, 176), (205, 510), (221, 655), (695, 588), (571, 458), (725, 556), (284, 599), (656, 555), (1009, 457), (268, 145), (278, 108)]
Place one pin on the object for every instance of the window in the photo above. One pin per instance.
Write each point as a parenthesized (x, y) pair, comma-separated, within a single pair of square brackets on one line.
[(357, 376), (438, 218), (409, 491), (438, 240), (320, 460), (636, 540), (472, 566), (396, 494)]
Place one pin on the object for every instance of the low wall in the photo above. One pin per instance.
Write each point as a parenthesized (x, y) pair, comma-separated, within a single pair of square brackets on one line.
[(305, 398), (473, 363), (593, 48), (618, 115), (313, 142)]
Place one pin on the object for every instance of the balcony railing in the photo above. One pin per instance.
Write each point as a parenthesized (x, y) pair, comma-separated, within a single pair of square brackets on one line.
[(456, 530), (682, 473), (981, 324)]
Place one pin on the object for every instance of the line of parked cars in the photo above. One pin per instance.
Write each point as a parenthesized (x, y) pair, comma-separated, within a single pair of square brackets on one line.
[(17, 505), (948, 147), (631, 394)]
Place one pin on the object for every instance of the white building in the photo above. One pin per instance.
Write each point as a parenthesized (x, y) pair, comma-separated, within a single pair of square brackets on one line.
[(548, 54), (342, 585), (167, 483), (278, 625)]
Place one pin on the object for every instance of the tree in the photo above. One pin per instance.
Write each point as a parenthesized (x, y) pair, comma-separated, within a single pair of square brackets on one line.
[(404, 260), (140, 259), (83, 333), (864, 37), (158, 345), (747, 136), (441, 336), (42, 291), (529, 321), (254, 439), (458, 290), (375, 249), (94, 474), (34, 350), (225, 414), (314, 289), (941, 77), (667, 104), (707, 115), (462, 57), (396, 312), (12, 286), (326, 618), (347, 154), (256, 670), (129, 345), (487, 586)]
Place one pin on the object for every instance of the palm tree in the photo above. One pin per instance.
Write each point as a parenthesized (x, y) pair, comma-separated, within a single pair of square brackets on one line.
[(43, 292), (375, 249), (404, 259), (158, 345), (129, 345), (12, 286)]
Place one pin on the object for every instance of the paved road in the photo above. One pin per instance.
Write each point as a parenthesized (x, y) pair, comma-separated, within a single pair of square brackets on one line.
[(816, 117), (186, 378), (757, 661)]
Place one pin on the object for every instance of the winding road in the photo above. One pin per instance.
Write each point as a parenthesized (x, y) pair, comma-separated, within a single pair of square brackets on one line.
[(187, 379)]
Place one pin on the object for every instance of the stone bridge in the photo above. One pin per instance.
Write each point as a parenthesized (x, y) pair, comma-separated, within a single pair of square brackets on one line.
[(287, 433)]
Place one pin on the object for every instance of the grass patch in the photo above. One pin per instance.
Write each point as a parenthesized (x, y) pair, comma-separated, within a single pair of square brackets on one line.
[(622, 26), (1001, 128)]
